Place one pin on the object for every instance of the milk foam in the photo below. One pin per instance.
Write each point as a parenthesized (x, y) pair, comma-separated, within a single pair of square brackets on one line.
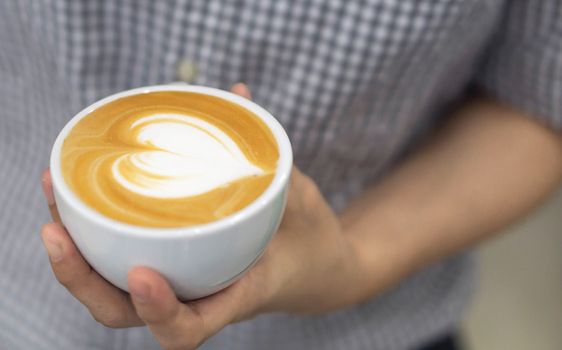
[(187, 157)]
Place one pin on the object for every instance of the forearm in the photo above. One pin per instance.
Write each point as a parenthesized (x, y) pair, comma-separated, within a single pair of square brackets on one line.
[(486, 167)]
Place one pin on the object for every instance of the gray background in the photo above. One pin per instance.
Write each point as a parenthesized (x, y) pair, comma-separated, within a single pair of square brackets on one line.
[(518, 305)]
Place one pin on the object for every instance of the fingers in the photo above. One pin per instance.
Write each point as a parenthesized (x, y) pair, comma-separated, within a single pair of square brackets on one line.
[(107, 304), (47, 189), (242, 90), (47, 185), (176, 325)]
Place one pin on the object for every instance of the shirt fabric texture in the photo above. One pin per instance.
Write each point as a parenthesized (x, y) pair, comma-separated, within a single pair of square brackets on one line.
[(355, 83)]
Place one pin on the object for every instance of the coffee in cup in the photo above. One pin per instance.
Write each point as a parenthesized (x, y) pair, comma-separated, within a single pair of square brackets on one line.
[(169, 158)]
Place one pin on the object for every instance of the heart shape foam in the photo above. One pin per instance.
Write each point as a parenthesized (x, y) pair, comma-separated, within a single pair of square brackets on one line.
[(192, 157)]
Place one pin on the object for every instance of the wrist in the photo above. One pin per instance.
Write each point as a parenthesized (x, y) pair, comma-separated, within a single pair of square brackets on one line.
[(387, 249), (315, 282), (349, 278), (337, 283)]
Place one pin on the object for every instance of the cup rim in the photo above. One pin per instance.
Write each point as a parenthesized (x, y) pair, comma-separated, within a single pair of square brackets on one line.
[(282, 173)]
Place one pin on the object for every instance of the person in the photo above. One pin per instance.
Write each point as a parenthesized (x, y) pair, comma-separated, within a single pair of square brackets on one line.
[(419, 129)]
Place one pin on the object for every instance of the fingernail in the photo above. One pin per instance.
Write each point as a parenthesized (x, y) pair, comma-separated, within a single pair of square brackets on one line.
[(242, 90), (48, 191), (54, 249), (140, 291)]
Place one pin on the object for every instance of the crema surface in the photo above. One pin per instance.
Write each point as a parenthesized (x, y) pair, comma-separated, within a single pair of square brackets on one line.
[(169, 159)]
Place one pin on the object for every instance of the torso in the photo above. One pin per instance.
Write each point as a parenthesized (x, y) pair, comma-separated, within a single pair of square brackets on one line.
[(353, 82)]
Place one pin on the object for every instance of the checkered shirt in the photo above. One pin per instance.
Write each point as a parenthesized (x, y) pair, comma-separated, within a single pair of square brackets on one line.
[(354, 82)]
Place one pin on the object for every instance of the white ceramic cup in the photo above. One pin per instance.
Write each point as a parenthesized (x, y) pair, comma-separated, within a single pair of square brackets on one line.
[(196, 260)]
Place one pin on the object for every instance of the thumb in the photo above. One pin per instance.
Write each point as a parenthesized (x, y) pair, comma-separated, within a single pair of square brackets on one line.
[(173, 324), (176, 325)]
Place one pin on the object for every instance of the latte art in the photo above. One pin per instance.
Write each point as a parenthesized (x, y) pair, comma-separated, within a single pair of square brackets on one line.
[(193, 157), (169, 159)]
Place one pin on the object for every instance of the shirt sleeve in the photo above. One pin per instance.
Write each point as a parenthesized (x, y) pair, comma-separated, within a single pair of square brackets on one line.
[(523, 66)]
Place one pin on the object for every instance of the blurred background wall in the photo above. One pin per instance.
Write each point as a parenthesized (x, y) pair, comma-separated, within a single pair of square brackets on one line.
[(518, 305)]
